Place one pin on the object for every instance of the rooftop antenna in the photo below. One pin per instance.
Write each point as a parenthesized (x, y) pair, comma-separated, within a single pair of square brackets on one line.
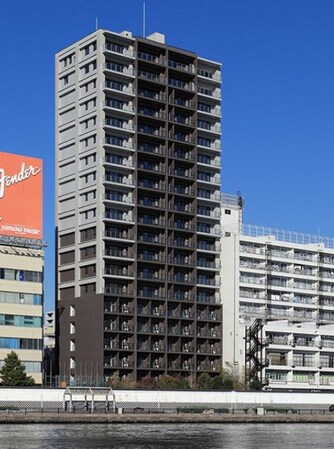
[(144, 18), (96, 23)]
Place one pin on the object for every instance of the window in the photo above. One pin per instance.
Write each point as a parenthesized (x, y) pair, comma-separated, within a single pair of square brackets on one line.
[(68, 60), (204, 107), (89, 48), (20, 320), (227, 212), (72, 310), (205, 73), (20, 275), (89, 214), (204, 142), (89, 67), (20, 298)]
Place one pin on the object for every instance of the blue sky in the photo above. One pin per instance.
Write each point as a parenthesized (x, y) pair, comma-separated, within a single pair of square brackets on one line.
[(278, 96)]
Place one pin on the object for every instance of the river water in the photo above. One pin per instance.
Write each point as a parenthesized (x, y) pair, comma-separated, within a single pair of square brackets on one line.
[(175, 436)]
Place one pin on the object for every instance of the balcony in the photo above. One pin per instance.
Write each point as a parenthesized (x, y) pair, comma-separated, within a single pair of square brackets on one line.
[(149, 57), (208, 109), (156, 132), (201, 280), (182, 120), (181, 207), (180, 295), (118, 179), (208, 160), (181, 260), (151, 220), (151, 276), (155, 113), (180, 84), (118, 216), (152, 202), (147, 292), (119, 142), (181, 172), (119, 49), (208, 195), (118, 272), (119, 198), (151, 184), (119, 106), (153, 149), (183, 278), (151, 257), (119, 68), (210, 230), (215, 76), (151, 76), (183, 102), (182, 243), (181, 190), (182, 154), (117, 290), (119, 124), (152, 95), (213, 93), (150, 166), (181, 137), (206, 246), (118, 160), (120, 87), (189, 68), (155, 311), (208, 177), (208, 143), (118, 234), (151, 238)]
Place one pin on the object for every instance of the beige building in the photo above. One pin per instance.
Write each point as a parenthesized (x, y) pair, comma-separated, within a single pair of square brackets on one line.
[(286, 280), (21, 303)]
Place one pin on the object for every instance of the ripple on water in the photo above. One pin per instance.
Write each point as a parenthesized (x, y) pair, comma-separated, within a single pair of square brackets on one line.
[(171, 436)]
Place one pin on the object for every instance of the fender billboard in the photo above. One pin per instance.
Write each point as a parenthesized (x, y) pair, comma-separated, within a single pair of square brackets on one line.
[(21, 187)]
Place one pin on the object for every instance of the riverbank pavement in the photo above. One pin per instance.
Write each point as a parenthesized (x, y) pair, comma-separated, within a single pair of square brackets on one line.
[(172, 418)]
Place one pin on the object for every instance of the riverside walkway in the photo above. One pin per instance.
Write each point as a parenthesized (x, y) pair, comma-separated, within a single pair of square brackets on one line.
[(161, 418)]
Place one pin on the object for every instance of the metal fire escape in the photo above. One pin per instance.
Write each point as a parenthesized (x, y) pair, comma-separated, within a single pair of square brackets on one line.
[(255, 357)]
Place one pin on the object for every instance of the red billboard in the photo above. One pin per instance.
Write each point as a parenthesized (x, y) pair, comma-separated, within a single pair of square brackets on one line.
[(21, 187)]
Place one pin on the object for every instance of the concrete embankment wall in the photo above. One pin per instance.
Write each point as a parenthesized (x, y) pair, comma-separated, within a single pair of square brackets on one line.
[(142, 397)]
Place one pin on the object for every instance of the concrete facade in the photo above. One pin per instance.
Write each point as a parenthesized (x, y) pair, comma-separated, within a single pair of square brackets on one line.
[(138, 207), (21, 303), (285, 279)]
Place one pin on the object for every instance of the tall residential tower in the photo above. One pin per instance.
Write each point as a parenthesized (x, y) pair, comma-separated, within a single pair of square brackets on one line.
[(138, 209)]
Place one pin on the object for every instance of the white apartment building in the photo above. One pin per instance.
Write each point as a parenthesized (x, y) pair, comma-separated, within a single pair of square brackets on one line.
[(286, 279), (21, 303)]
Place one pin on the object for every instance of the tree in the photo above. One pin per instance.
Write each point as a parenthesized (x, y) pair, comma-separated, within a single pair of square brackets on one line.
[(167, 382), (204, 382), (147, 383), (13, 373)]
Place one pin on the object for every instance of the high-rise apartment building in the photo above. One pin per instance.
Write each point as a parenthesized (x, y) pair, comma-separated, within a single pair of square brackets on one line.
[(286, 280), (21, 261), (138, 209)]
